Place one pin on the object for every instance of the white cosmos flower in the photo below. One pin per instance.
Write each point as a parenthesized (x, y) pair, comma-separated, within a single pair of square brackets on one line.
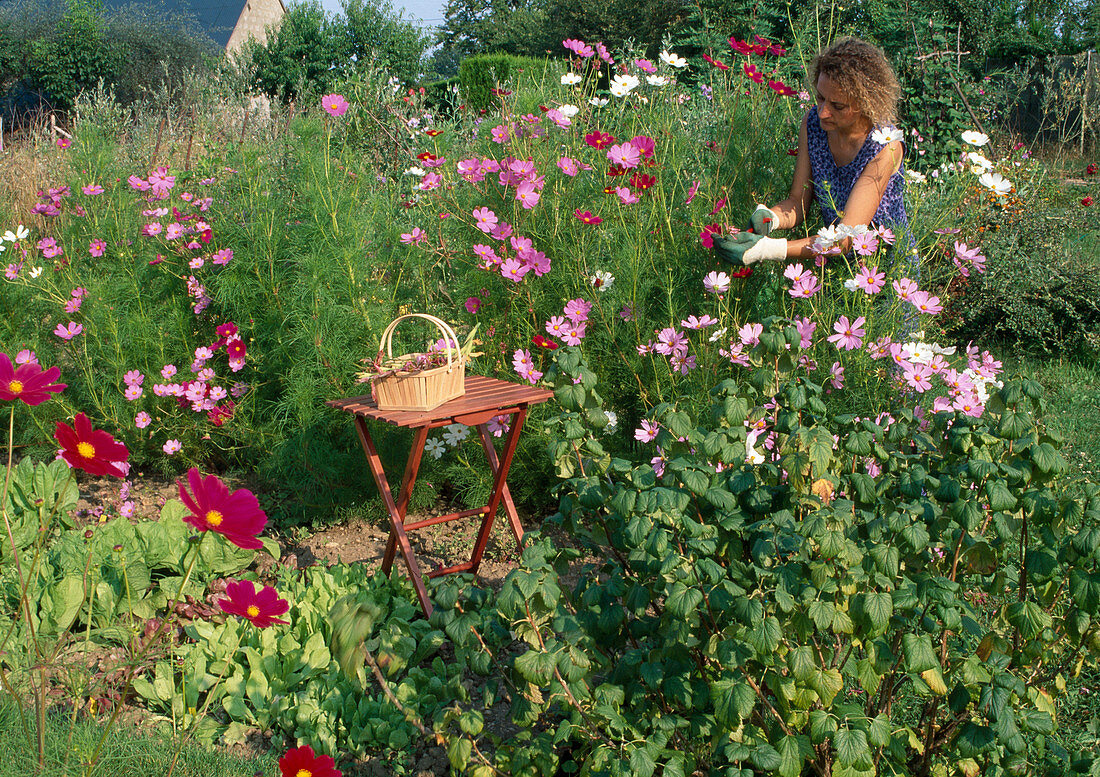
[(658, 80), (978, 163), (599, 102), (568, 111), (455, 433), (623, 84), (673, 59), (570, 79), (996, 182), (612, 420), (435, 447), (919, 352), (975, 138), (21, 233), (35, 272), (886, 135), (915, 177), (718, 335), (851, 284), (419, 172), (602, 280)]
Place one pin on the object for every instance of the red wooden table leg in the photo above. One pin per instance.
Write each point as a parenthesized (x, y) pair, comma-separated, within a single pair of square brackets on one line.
[(397, 510), (505, 494), (498, 487)]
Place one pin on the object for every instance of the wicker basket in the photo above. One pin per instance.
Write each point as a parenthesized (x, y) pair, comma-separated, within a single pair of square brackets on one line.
[(424, 389)]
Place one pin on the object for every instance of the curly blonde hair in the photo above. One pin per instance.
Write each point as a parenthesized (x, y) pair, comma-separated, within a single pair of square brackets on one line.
[(861, 71)]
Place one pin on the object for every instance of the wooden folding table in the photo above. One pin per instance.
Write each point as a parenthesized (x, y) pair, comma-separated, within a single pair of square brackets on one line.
[(485, 398)]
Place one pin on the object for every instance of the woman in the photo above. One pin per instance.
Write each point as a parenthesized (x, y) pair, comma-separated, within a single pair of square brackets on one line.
[(848, 160)]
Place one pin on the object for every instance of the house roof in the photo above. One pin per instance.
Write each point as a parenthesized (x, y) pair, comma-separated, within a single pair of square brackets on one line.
[(215, 18)]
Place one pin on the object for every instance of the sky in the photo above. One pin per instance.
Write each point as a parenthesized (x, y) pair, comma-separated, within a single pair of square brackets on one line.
[(428, 11)]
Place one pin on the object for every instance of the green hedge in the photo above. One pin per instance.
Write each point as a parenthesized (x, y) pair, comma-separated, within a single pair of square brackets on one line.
[(479, 74)]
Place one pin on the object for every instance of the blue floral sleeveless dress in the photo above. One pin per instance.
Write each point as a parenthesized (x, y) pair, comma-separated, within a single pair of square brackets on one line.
[(833, 183)]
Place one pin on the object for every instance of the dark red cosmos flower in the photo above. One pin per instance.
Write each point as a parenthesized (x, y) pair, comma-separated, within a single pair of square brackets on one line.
[(433, 132), (616, 170), (599, 140), (744, 272), (609, 190), (1092, 169), (706, 237), (499, 92), (259, 607), (301, 762), (780, 88), (642, 181), (236, 516), (586, 216), (427, 156), (1087, 201), (28, 382), (718, 64), (236, 348), (740, 46), (222, 413), (92, 450), (542, 342)]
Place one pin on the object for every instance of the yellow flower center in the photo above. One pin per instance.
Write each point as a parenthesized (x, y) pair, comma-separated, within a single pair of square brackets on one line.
[(15, 387), (304, 773), (253, 611), (214, 518), (86, 450)]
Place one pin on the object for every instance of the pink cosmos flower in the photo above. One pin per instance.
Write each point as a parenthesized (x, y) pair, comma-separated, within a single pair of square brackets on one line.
[(416, 236), (682, 363), (486, 220), (223, 256), (172, 447), (527, 194), (749, 334), (692, 191), (499, 425), (92, 189), (805, 329), (625, 155), (670, 341), (97, 247), (25, 357), (68, 332), (626, 197), (836, 376), (568, 166), (644, 144), (473, 305), (142, 420), (430, 181), (556, 326), (577, 310), (885, 235), (645, 66), (168, 371), (574, 333), (916, 375), (794, 272), (513, 269), (500, 133), (132, 392), (587, 217), (559, 118), (73, 305), (133, 378), (716, 282), (691, 322), (334, 104), (904, 288), (647, 432), (152, 229), (160, 182), (848, 335), (870, 280), (805, 287), (972, 256), (49, 247), (865, 244), (926, 303)]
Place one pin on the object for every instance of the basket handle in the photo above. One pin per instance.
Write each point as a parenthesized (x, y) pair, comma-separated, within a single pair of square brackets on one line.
[(449, 335)]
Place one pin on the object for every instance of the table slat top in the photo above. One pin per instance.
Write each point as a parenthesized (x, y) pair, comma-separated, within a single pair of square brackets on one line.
[(481, 394)]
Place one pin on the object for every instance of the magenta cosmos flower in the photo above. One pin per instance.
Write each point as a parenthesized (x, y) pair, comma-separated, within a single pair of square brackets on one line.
[(303, 762), (28, 382), (258, 607), (236, 516), (334, 104)]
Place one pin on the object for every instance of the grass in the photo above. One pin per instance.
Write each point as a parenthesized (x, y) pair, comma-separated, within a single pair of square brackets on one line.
[(1073, 405), (127, 752)]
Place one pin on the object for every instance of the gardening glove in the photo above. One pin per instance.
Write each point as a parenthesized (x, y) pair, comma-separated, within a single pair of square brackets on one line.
[(745, 248), (763, 221)]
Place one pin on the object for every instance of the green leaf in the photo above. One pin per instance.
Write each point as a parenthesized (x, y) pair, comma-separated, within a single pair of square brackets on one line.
[(827, 683), (820, 449), (879, 607), (852, 748), (1000, 498), (641, 762), (683, 600), (793, 752), (802, 663), (458, 753), (973, 740), (919, 655), (1028, 617), (732, 702), (878, 732), (766, 758), (696, 481), (1014, 423)]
